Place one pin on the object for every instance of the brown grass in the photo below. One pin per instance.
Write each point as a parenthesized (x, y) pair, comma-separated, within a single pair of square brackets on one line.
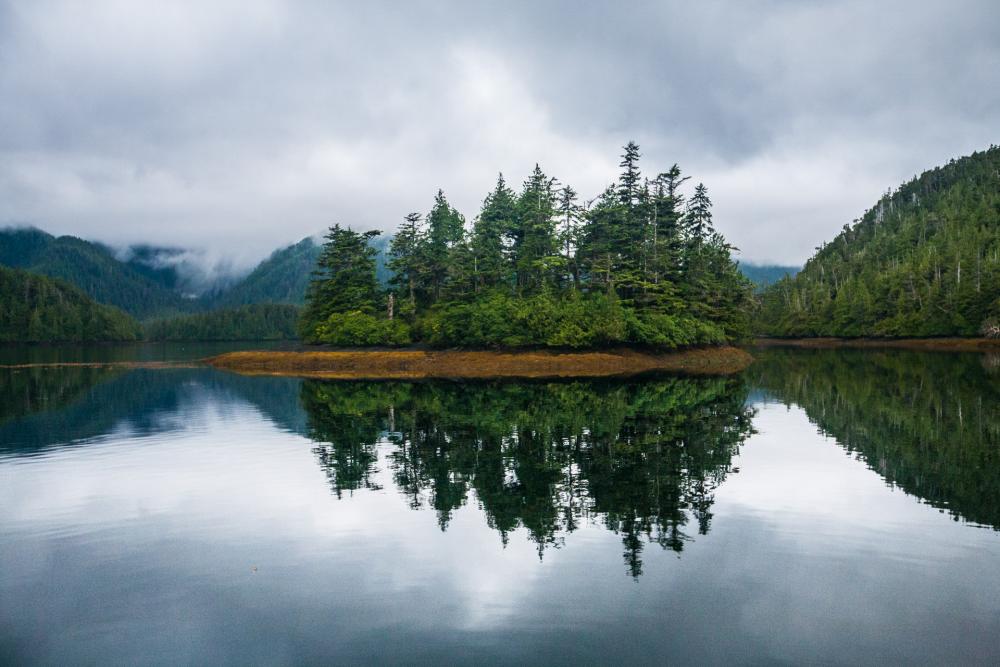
[(927, 344), (420, 364)]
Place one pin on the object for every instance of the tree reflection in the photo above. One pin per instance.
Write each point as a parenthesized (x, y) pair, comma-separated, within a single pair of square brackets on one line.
[(641, 458), (926, 422)]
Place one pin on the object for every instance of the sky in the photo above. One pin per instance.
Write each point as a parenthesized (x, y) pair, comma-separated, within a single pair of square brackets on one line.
[(235, 127)]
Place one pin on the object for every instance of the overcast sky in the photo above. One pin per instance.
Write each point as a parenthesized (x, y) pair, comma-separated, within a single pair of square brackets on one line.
[(242, 126)]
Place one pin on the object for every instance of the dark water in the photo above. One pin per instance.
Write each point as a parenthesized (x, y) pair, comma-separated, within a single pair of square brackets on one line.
[(828, 507), (60, 353)]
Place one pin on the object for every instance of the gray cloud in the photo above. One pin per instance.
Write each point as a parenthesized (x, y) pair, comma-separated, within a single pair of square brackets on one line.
[(240, 126)]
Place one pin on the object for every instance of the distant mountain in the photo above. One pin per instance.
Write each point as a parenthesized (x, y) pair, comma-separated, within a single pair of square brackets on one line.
[(35, 308), (281, 278), (184, 271), (93, 268), (762, 275), (284, 276), (924, 261), (151, 282)]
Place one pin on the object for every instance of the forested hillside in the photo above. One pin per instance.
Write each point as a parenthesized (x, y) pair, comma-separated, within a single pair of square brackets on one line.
[(281, 278), (93, 268), (924, 261), (252, 322), (639, 264), (35, 309)]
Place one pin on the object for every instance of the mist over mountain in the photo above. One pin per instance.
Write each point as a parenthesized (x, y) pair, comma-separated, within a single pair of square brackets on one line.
[(190, 272), (154, 282)]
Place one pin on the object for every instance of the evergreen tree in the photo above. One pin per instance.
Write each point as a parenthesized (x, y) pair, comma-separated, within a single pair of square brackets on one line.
[(407, 258), (445, 228), (569, 232), (344, 280), (496, 223), (536, 248)]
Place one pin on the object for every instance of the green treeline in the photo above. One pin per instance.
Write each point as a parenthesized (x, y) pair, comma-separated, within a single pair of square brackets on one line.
[(35, 308), (642, 459), (265, 321), (925, 261), (640, 264), (925, 422)]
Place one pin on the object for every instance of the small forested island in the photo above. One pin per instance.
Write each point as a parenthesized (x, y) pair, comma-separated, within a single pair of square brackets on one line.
[(35, 308), (923, 262), (639, 265)]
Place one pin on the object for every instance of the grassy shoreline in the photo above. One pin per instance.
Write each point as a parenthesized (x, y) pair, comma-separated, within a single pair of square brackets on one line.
[(926, 344), (409, 364)]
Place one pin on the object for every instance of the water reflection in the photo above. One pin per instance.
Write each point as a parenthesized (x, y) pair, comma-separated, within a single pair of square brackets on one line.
[(44, 407), (926, 422), (641, 458)]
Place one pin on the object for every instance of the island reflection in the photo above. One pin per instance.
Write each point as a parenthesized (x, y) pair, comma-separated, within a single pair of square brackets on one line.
[(640, 458)]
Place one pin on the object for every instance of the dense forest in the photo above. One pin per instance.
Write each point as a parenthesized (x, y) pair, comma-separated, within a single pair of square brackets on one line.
[(639, 264), (35, 308), (94, 269), (266, 321), (925, 261)]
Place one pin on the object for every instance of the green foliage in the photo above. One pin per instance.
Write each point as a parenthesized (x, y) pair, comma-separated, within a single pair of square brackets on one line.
[(536, 269), (357, 328), (254, 322), (925, 261), (38, 309), (574, 321)]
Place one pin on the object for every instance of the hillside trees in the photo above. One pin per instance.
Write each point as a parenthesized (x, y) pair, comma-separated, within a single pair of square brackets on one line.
[(35, 308), (924, 261)]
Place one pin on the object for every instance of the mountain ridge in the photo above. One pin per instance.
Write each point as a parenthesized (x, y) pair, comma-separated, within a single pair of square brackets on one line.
[(924, 261)]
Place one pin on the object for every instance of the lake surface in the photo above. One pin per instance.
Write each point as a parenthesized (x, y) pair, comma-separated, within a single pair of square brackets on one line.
[(830, 507)]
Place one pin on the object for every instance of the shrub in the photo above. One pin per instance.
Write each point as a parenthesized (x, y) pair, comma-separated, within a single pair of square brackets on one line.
[(356, 328), (573, 321)]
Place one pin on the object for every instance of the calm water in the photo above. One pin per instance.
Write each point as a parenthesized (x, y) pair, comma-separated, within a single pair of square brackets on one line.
[(826, 507)]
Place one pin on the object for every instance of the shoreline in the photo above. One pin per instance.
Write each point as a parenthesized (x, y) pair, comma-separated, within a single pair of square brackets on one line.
[(920, 344), (409, 364)]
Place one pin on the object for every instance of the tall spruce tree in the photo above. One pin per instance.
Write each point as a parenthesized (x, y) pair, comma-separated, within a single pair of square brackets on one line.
[(445, 228), (344, 279), (407, 258), (569, 233), (496, 222), (535, 253)]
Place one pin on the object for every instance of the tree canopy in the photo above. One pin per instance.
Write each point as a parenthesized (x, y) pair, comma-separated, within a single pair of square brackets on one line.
[(637, 265)]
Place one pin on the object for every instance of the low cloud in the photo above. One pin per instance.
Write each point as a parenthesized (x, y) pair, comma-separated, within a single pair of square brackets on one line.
[(239, 127)]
